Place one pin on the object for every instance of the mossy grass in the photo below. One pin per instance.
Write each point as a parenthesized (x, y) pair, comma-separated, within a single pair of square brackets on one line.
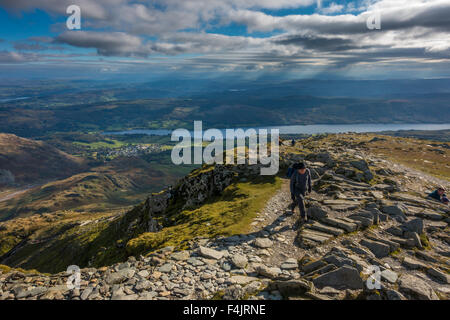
[(224, 215)]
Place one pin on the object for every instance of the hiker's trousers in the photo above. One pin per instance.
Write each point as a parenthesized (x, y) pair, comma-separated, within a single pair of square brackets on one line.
[(299, 200)]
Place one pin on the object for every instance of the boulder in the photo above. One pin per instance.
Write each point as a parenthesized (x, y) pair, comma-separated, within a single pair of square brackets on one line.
[(292, 287), (210, 253), (416, 288), (343, 278), (317, 213), (239, 260), (441, 276), (379, 249), (414, 225), (268, 272), (263, 243)]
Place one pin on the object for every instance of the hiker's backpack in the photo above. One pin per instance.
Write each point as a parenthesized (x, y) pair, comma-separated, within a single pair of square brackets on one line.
[(290, 172)]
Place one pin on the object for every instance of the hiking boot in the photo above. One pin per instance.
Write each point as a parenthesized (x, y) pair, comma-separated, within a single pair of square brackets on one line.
[(292, 206)]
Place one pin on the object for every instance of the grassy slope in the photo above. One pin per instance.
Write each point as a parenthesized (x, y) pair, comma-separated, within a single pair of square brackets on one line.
[(416, 154), (227, 214), (106, 242)]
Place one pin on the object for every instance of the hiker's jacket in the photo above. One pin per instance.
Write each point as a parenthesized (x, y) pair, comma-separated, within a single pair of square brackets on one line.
[(435, 195), (300, 183)]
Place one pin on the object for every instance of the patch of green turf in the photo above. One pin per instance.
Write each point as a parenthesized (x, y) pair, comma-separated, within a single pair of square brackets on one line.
[(228, 214)]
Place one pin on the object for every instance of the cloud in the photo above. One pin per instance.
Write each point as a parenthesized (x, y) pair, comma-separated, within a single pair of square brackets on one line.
[(15, 57), (107, 44), (332, 8), (336, 35)]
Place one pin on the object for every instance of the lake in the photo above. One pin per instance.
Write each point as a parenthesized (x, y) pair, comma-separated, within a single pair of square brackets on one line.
[(311, 129)]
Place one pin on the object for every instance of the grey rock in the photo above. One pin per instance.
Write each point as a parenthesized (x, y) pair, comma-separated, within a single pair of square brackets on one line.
[(425, 256), (342, 278), (143, 285), (394, 295), (263, 243), (389, 276), (338, 261), (210, 253), (380, 250), (180, 255), (234, 292), (441, 276), (395, 231), (166, 268), (415, 225), (226, 266), (416, 288), (289, 264), (121, 276), (149, 295), (309, 267), (143, 274), (317, 213), (292, 287), (268, 272), (394, 210), (86, 293), (239, 260), (413, 264), (415, 239)]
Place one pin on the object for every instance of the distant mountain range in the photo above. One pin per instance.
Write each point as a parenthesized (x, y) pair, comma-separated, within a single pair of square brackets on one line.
[(91, 106)]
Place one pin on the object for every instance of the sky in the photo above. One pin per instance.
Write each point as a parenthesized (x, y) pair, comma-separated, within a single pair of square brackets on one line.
[(249, 38)]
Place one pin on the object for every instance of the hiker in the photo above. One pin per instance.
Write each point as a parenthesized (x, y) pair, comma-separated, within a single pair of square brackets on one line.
[(439, 195), (292, 142), (300, 184)]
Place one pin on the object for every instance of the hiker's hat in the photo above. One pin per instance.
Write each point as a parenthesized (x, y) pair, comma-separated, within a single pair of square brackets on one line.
[(301, 165)]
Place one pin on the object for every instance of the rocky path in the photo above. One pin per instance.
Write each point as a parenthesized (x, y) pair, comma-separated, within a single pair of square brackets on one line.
[(355, 229)]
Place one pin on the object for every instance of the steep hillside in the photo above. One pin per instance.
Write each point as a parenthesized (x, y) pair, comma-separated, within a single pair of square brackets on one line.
[(224, 232), (26, 161), (205, 203)]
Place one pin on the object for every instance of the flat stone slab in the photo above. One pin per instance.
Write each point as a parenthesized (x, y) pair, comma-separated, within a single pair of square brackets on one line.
[(309, 267), (389, 276), (413, 264), (416, 288), (335, 222), (392, 244), (431, 215), (404, 197), (441, 276), (365, 222), (242, 279), (210, 253), (315, 235), (379, 249), (342, 208), (340, 202), (326, 229)]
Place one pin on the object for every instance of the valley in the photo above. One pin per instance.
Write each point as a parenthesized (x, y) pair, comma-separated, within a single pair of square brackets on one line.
[(209, 237)]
